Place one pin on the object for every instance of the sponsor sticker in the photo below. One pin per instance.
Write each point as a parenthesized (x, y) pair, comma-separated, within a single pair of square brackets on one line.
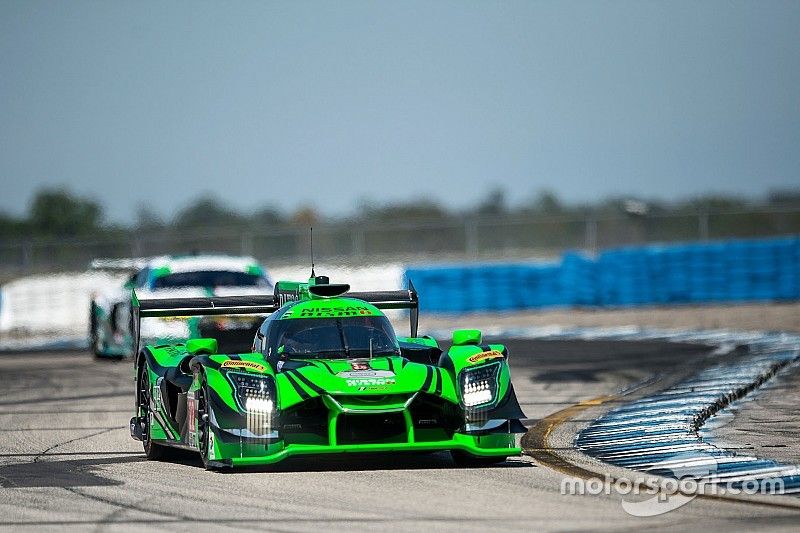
[(483, 356), (172, 350), (285, 295), (381, 387), (368, 378), (191, 409), (359, 374), (155, 395), (359, 365), (332, 312), (249, 365), (370, 382)]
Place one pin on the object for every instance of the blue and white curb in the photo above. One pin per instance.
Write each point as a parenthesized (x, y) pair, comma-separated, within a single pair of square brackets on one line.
[(659, 434)]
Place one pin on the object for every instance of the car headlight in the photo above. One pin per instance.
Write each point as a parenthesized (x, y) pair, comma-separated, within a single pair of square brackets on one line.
[(479, 385), (256, 394)]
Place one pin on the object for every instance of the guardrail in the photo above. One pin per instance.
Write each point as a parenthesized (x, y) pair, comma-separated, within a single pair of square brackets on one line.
[(726, 271)]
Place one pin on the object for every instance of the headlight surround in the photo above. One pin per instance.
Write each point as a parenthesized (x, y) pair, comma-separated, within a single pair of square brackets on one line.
[(479, 385), (255, 394)]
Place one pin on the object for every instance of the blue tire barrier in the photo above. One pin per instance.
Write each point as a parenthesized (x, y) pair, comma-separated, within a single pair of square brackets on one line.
[(726, 271)]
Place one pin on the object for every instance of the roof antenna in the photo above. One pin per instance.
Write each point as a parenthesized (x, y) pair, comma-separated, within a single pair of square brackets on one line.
[(313, 275)]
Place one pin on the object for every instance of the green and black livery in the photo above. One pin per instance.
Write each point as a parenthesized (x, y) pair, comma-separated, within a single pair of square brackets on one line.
[(326, 374)]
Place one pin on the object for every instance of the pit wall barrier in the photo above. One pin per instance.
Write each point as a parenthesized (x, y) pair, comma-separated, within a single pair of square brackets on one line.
[(725, 271), (55, 303), (58, 304)]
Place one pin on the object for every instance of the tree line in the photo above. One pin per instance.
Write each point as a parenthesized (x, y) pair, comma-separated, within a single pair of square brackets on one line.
[(59, 213)]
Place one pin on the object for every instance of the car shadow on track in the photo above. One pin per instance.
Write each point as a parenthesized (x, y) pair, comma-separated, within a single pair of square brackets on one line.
[(71, 473)]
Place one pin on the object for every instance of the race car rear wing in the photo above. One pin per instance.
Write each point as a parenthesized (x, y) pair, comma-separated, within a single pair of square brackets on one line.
[(125, 265), (258, 305)]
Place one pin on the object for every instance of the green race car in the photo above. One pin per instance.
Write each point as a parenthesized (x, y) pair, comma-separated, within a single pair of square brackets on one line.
[(326, 374)]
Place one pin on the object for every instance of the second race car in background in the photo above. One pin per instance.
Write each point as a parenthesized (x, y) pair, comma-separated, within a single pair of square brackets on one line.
[(170, 277)]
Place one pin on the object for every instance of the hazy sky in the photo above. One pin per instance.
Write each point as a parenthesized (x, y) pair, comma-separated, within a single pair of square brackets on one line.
[(289, 103)]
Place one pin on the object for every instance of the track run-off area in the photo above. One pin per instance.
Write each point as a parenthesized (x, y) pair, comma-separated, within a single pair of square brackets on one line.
[(67, 460)]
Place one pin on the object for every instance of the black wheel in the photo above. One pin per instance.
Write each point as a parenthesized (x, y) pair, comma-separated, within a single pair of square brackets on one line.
[(203, 424), (467, 460), (153, 451)]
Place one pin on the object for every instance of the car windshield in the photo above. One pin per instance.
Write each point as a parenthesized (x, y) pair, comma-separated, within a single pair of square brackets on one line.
[(333, 338), (211, 278)]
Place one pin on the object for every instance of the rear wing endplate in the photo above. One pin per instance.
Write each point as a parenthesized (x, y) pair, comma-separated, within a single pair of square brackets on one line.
[(402, 299)]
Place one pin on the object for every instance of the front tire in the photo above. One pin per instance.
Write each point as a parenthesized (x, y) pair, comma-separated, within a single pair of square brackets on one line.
[(153, 451)]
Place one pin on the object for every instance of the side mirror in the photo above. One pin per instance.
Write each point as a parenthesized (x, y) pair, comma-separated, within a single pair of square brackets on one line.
[(465, 337), (198, 346)]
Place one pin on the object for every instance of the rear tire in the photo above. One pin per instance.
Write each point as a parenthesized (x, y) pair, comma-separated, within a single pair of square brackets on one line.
[(153, 451), (467, 460)]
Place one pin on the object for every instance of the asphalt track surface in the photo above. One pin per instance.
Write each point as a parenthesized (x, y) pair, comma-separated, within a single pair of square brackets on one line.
[(67, 461)]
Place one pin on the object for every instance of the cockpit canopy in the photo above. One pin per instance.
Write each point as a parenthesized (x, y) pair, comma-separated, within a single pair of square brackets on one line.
[(344, 337)]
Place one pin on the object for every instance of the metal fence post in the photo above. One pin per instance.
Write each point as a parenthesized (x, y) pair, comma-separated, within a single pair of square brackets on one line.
[(702, 225), (27, 254), (247, 243), (471, 246), (591, 235), (136, 247), (359, 241)]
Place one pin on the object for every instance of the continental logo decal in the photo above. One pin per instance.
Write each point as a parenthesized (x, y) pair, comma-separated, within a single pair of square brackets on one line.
[(483, 356), (249, 365)]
